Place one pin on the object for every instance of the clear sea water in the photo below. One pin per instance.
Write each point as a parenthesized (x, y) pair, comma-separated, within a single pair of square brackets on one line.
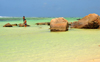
[(38, 44)]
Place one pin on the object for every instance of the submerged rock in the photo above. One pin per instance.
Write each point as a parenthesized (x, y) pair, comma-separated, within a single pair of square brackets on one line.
[(43, 23), (59, 24), (7, 25), (90, 21), (78, 19)]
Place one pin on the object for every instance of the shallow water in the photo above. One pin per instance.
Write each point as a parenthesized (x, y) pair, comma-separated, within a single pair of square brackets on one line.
[(38, 44)]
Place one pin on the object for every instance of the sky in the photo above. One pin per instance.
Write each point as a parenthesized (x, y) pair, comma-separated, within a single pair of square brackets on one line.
[(49, 8)]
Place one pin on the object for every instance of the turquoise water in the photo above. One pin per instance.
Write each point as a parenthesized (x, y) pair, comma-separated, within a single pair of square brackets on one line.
[(38, 44)]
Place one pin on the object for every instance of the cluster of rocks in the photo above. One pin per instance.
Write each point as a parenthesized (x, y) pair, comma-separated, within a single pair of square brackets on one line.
[(91, 21), (11, 25), (57, 24)]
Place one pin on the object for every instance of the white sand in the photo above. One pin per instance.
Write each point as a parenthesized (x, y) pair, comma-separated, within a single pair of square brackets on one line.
[(94, 60), (35, 44)]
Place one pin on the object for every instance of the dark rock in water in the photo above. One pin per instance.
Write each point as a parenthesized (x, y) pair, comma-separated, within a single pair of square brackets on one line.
[(7, 25), (78, 19), (90, 21), (59, 24), (14, 24), (43, 23)]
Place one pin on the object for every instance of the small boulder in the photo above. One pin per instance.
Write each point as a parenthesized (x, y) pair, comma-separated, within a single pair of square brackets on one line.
[(21, 25), (7, 25), (14, 24)]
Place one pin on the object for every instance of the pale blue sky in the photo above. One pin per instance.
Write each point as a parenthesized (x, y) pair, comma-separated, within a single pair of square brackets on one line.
[(49, 8)]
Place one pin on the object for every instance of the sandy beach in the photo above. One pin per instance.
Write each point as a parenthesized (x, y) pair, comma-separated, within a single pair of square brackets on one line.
[(94, 60), (38, 44)]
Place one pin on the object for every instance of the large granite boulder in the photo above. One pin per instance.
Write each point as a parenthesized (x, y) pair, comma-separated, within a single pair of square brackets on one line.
[(90, 21), (7, 25), (59, 24)]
